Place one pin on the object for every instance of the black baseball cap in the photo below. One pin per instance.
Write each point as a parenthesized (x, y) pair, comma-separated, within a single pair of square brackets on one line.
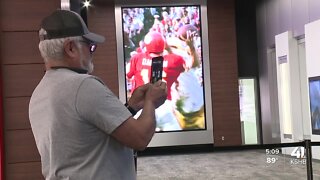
[(64, 23)]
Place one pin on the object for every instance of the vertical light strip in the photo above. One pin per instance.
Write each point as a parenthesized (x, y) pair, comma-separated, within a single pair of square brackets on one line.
[(285, 98), (65, 4)]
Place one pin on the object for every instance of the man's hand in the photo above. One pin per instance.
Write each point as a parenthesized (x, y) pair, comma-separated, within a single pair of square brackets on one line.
[(157, 93), (136, 101), (137, 133)]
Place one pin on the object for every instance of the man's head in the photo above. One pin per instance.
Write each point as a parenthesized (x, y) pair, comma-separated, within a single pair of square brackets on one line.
[(66, 41)]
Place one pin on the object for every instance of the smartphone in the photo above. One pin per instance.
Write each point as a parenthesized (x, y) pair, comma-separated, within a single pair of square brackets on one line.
[(156, 69)]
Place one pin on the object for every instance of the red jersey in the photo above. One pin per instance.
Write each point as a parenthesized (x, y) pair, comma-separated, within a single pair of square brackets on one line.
[(140, 68)]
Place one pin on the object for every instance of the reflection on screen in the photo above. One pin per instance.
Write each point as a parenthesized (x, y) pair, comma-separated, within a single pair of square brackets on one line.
[(175, 34)]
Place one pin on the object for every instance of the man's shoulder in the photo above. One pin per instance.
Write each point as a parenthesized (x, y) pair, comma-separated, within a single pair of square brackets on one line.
[(96, 79), (68, 77), (83, 76)]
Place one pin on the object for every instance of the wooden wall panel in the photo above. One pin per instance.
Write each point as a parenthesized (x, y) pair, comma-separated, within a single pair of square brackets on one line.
[(102, 21), (2, 156), (224, 73), (20, 80), (16, 113), (20, 48), (22, 68), (1, 113), (20, 147), (24, 171), (22, 15)]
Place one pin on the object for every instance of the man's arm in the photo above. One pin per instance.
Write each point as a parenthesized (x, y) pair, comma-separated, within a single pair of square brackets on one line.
[(97, 105), (137, 133)]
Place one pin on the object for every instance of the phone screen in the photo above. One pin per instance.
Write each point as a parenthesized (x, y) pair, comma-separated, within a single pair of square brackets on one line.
[(156, 69)]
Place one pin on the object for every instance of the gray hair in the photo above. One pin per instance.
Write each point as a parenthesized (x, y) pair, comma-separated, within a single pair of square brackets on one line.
[(52, 49)]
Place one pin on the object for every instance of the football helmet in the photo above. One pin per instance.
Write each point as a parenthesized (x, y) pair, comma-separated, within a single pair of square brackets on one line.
[(154, 42)]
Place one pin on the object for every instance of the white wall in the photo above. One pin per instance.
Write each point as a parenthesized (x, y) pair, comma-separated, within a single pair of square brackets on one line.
[(275, 17), (292, 90)]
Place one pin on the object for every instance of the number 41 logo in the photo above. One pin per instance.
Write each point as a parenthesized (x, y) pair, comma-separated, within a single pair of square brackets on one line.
[(298, 152)]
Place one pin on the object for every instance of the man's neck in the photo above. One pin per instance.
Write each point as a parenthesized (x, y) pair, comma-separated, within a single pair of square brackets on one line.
[(56, 63), (77, 70)]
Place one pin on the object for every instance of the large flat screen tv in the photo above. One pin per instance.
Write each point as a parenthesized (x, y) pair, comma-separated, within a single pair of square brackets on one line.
[(177, 32), (314, 96)]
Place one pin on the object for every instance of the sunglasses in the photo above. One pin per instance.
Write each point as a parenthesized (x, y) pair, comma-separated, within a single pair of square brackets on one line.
[(92, 46)]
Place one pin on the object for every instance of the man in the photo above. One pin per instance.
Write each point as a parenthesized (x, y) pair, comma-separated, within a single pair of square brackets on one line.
[(82, 130)]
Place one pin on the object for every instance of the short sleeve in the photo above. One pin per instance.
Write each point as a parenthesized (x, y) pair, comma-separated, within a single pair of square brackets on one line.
[(96, 104)]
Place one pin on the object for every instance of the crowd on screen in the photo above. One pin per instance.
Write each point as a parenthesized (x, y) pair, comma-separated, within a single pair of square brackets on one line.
[(137, 22)]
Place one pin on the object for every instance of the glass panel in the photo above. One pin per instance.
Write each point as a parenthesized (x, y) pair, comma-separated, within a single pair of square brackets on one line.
[(248, 113)]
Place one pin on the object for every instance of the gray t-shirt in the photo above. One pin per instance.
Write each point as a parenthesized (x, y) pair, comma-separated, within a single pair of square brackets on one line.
[(72, 116)]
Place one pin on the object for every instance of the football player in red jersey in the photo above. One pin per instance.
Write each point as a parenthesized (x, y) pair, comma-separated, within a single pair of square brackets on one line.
[(140, 64), (140, 73)]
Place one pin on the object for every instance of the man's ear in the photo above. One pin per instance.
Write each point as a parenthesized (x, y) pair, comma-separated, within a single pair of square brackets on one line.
[(70, 48)]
